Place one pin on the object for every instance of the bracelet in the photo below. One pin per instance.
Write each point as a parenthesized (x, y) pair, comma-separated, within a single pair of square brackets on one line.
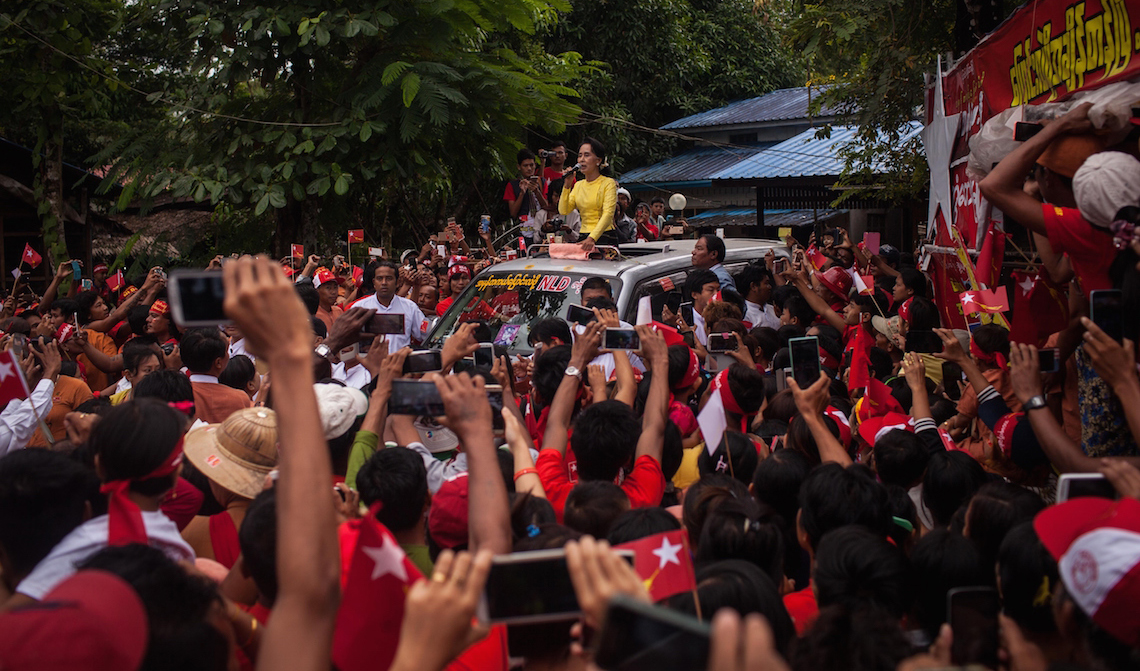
[(252, 632), (525, 471)]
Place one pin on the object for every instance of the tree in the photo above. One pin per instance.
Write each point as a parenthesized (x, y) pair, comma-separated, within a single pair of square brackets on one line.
[(362, 113), (667, 59)]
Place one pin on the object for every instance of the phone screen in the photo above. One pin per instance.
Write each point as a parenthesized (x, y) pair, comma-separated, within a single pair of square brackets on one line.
[(415, 397), (1074, 485), (495, 399), (1048, 360), (805, 361), (974, 619), (621, 339), (723, 342), (687, 313), (385, 323), (485, 355), (1106, 312), (530, 587), (638, 636), (423, 362), (576, 314), (951, 377), (197, 298)]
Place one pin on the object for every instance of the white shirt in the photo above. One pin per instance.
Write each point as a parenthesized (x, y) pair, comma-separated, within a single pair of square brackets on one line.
[(122, 385), (19, 419), (239, 348), (606, 361), (355, 377), (699, 329), (208, 379), (761, 315), (413, 319), (439, 471), (91, 537)]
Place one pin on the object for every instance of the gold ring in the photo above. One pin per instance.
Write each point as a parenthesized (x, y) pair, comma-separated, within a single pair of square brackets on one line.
[(438, 577)]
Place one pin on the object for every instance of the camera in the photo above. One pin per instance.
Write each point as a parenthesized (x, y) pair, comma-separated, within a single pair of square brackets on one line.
[(543, 153)]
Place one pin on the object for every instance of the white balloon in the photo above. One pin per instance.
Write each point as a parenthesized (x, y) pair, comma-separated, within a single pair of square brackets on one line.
[(677, 202)]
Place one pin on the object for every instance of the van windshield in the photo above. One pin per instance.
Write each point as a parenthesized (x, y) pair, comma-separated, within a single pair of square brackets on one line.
[(508, 303)]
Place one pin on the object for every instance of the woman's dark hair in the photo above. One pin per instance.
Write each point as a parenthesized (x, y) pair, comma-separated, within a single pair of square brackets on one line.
[(598, 148), (842, 640), (833, 496), (777, 481), (951, 479), (902, 507), (84, 301), (678, 364), (800, 438), (915, 280), (857, 569), (136, 351), (943, 560), (238, 372), (743, 587), (781, 407), (703, 496), (747, 386), (735, 456), (641, 522), (672, 450), (992, 338), (178, 604), (258, 540), (1027, 574), (996, 508), (549, 369), (900, 458), (528, 513), (743, 529), (133, 439), (166, 385), (593, 505)]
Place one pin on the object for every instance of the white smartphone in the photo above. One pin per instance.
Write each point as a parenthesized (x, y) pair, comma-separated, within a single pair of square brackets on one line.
[(1073, 485)]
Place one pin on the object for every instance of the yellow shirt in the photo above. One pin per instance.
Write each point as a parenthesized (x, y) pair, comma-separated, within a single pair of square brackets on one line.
[(596, 201), (688, 473)]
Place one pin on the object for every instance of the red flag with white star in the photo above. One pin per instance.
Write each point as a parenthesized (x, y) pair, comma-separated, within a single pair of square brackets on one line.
[(1040, 308), (378, 577), (116, 281), (12, 384), (664, 562), (356, 235), (30, 256), (984, 300)]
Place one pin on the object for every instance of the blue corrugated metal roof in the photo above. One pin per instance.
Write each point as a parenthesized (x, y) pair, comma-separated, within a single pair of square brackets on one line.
[(804, 155), (693, 165), (780, 105), (746, 216)]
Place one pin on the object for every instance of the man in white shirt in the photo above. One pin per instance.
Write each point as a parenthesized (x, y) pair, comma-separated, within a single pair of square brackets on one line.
[(755, 282), (700, 287), (90, 537), (20, 418), (385, 301)]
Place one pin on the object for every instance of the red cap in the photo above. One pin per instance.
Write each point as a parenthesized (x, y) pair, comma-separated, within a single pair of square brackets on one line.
[(458, 269), (323, 275), (447, 521), (836, 280), (874, 428), (1096, 543), (100, 266), (89, 622), (65, 331), (904, 309)]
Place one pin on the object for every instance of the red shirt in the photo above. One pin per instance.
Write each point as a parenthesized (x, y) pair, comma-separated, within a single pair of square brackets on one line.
[(803, 608), (645, 484), (1089, 248)]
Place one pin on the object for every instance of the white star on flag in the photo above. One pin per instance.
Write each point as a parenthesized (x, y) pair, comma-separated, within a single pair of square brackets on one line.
[(967, 298), (389, 558), (938, 140), (667, 553), (1026, 285), (6, 371)]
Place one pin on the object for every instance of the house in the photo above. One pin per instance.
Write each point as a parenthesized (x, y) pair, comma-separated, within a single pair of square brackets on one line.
[(757, 165)]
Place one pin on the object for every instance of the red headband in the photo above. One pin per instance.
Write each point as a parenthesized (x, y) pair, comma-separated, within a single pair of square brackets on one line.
[(996, 359), (160, 308), (904, 310), (720, 383), (691, 374), (124, 519)]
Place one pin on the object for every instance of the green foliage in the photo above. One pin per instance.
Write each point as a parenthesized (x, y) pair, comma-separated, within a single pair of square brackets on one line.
[(668, 59), (292, 106)]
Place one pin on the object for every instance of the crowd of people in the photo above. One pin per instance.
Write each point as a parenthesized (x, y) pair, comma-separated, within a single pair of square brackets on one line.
[(234, 496)]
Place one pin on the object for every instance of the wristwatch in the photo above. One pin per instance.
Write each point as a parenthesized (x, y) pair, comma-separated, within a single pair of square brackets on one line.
[(322, 350), (573, 370), (1035, 403)]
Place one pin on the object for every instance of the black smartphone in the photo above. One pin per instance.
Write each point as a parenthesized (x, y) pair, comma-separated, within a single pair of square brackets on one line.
[(485, 355), (385, 323), (637, 636), (687, 313), (722, 342), (531, 586), (951, 377), (197, 297), (1022, 130), (973, 616), (423, 361), (576, 314), (1105, 310), (805, 360), (415, 397), (621, 339), (1049, 360), (495, 399)]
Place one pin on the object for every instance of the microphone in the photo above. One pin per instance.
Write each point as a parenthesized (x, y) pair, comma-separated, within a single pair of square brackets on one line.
[(576, 168)]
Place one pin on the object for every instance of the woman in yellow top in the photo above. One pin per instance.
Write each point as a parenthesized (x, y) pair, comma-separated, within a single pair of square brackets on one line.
[(595, 198)]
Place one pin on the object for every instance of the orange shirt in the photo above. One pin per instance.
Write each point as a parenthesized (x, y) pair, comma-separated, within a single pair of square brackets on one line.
[(214, 402), (97, 379), (329, 316), (69, 394)]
